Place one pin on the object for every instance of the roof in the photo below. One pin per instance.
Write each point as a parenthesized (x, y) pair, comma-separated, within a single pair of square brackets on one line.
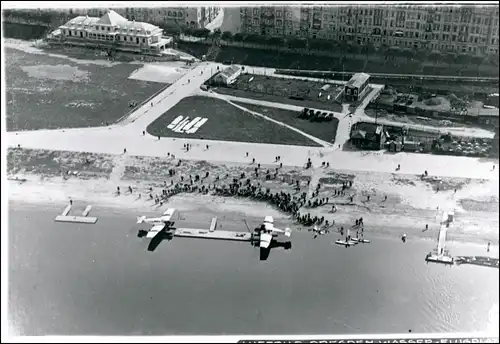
[(358, 79), (230, 71), (366, 131), (113, 19)]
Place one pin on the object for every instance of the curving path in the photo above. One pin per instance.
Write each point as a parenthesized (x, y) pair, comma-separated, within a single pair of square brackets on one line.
[(128, 134)]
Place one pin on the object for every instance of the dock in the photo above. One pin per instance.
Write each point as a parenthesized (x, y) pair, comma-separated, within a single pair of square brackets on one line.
[(440, 254), (214, 235), (477, 260), (65, 217)]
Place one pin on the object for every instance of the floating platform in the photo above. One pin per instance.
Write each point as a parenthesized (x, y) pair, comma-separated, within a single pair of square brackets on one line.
[(76, 219), (213, 224), (363, 241), (344, 243), (216, 235), (65, 217), (443, 259)]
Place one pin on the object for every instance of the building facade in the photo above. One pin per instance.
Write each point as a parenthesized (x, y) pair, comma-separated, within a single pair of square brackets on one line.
[(461, 29), (193, 17), (356, 86), (112, 31)]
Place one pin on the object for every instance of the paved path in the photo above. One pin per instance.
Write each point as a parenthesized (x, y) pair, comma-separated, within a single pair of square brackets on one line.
[(113, 140)]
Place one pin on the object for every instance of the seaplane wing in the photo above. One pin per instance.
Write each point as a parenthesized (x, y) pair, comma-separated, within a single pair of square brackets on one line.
[(265, 240), (154, 231)]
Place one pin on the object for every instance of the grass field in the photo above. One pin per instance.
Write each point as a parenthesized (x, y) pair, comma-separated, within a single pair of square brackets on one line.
[(45, 92), (278, 99), (226, 123), (324, 130)]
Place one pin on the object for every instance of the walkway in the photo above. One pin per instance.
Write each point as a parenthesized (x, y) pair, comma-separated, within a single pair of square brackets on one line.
[(128, 134)]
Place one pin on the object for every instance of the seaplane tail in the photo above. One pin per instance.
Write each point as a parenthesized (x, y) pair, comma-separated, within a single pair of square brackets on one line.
[(265, 240), (140, 219)]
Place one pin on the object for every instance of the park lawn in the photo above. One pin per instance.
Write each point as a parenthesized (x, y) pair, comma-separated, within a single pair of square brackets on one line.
[(225, 123), (332, 106), (326, 131), (46, 92)]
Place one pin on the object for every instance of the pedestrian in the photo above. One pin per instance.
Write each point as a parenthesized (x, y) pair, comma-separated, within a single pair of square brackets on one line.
[(385, 198), (207, 147), (253, 160), (158, 137), (488, 248), (368, 197), (493, 167), (426, 226), (281, 164), (151, 104), (247, 154), (143, 133), (70, 202), (124, 150), (327, 164)]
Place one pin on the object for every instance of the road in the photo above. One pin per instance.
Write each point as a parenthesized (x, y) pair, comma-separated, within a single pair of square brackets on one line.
[(128, 134)]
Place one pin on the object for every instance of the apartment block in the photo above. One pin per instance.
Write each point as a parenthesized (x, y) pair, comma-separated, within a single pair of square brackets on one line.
[(462, 29)]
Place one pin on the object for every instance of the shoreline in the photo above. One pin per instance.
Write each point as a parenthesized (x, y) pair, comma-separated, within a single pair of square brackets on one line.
[(100, 193)]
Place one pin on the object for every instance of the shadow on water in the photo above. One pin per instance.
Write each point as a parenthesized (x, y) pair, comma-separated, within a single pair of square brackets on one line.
[(264, 252), (156, 241)]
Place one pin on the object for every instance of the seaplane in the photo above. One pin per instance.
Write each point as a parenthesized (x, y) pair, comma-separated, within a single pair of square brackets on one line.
[(267, 231), (264, 237), (164, 222)]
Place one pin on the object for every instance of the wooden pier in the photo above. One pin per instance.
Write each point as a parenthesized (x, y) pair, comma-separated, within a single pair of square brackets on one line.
[(440, 254), (214, 235), (65, 217)]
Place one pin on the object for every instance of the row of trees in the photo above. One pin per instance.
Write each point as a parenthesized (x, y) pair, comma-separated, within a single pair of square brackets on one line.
[(49, 17), (352, 48)]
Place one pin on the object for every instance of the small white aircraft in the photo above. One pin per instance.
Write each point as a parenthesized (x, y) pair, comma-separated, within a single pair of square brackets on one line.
[(159, 223), (267, 231)]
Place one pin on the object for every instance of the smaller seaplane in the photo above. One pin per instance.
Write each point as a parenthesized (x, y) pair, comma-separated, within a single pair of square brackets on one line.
[(164, 222)]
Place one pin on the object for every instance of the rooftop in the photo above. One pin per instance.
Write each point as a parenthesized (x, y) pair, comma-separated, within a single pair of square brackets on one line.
[(112, 19), (358, 79), (230, 71)]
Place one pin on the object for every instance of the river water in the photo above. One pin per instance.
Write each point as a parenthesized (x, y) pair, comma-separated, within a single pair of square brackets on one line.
[(69, 279)]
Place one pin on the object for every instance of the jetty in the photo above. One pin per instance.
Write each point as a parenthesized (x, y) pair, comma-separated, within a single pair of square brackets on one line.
[(440, 254), (213, 234), (477, 260), (84, 218)]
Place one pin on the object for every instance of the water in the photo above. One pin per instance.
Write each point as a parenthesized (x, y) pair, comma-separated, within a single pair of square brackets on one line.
[(100, 279)]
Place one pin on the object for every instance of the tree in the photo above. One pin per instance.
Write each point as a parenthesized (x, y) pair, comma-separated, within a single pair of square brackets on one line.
[(238, 37), (435, 56), (276, 41), (368, 49), (320, 44), (463, 58), (450, 58), (343, 48), (297, 43), (227, 35), (394, 51), (407, 53), (354, 49)]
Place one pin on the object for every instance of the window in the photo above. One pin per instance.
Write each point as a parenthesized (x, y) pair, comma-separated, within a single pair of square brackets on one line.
[(169, 13), (179, 14), (278, 14)]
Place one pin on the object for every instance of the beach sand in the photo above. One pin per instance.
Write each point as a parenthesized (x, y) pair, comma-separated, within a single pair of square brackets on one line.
[(411, 202)]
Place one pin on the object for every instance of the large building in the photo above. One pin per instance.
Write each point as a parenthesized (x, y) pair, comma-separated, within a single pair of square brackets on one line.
[(462, 29), (112, 31), (193, 17)]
